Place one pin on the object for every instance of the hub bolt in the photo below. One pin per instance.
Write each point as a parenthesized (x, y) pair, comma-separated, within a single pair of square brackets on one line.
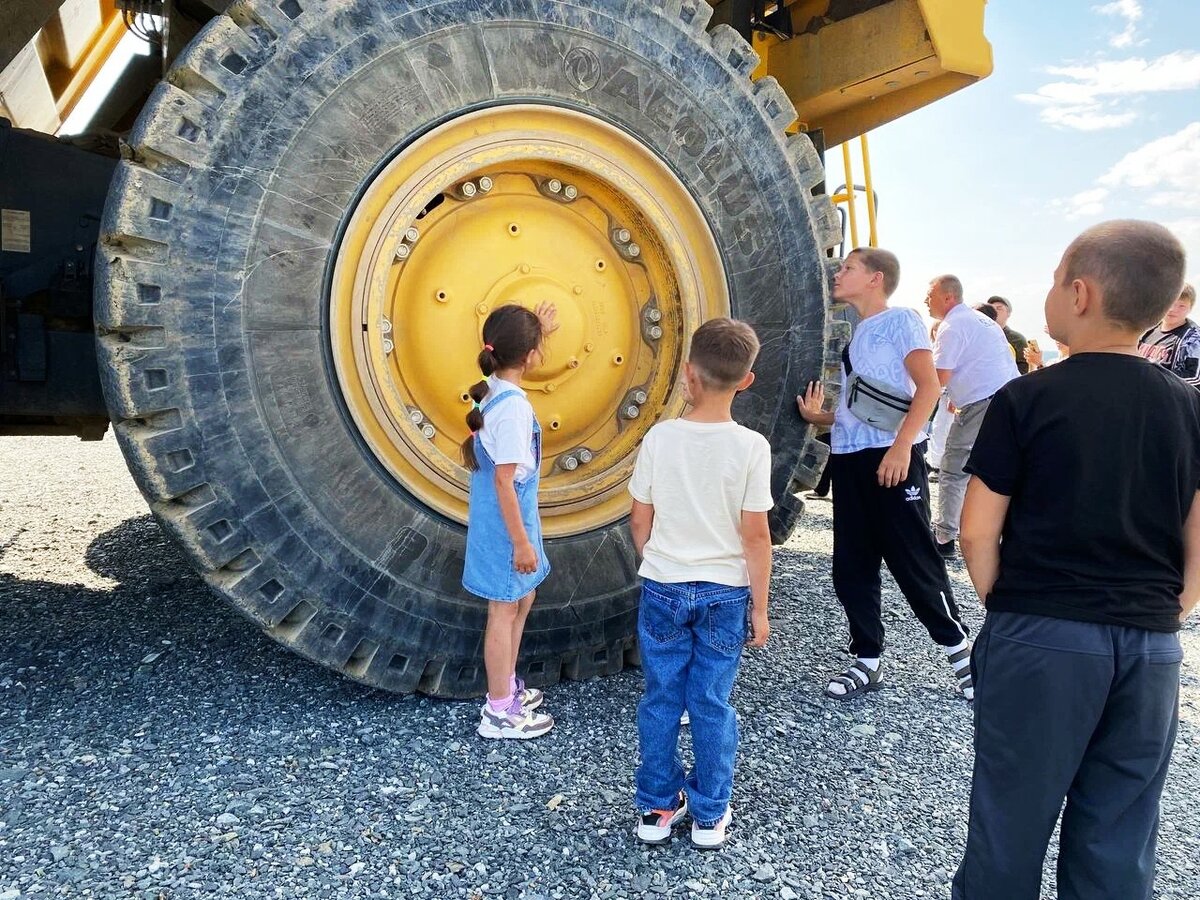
[(631, 412), (486, 184), (386, 326), (571, 192), (388, 346), (429, 431), (416, 417), (403, 251), (639, 397), (554, 185), (569, 463), (653, 315), (585, 456), (412, 234), (622, 235), (469, 190), (634, 250), (655, 332)]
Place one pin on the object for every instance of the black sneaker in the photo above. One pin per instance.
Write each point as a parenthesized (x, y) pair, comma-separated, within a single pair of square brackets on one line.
[(654, 825), (946, 550)]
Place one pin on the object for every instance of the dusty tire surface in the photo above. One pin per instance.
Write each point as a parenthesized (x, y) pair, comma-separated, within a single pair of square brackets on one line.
[(218, 243)]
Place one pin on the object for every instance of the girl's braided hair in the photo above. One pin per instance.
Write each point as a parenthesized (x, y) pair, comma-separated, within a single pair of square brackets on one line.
[(509, 334)]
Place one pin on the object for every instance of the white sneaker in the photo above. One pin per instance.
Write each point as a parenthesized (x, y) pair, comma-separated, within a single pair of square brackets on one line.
[(531, 698), (654, 825), (515, 723), (685, 719), (711, 838)]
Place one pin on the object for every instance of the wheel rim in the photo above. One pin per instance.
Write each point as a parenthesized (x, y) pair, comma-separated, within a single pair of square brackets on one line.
[(520, 204)]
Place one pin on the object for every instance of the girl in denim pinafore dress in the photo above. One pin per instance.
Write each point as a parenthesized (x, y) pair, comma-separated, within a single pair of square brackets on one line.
[(505, 558)]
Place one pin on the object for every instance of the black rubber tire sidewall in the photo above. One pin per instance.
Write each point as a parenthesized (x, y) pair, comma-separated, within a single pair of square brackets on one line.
[(344, 565)]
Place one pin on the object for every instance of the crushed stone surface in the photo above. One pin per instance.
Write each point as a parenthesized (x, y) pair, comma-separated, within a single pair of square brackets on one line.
[(153, 744)]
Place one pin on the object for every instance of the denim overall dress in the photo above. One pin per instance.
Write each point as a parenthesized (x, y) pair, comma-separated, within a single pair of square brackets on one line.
[(488, 570)]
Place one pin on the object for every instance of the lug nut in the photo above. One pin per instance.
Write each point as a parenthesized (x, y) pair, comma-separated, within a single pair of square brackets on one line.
[(386, 326), (412, 234), (653, 315), (429, 431), (585, 456), (655, 332), (631, 412), (388, 347), (416, 417), (570, 463), (634, 250), (571, 192), (469, 189), (486, 184), (403, 251), (639, 397), (554, 185), (622, 235)]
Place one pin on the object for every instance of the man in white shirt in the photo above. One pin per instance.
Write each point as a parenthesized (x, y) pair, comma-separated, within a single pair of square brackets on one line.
[(973, 361)]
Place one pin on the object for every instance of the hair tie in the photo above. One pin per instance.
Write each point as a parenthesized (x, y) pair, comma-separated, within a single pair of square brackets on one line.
[(476, 405), (489, 348)]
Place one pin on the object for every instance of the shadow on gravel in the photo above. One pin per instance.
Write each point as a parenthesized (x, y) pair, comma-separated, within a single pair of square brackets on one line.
[(159, 642)]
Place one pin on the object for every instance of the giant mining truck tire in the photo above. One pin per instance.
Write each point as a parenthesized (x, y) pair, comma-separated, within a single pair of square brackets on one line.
[(317, 209)]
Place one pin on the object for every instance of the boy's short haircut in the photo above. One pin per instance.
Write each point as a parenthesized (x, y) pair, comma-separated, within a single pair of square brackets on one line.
[(883, 261), (1003, 301), (723, 352), (1188, 294), (1138, 265)]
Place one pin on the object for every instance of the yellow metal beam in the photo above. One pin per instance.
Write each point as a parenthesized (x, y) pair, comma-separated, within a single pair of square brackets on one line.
[(852, 75), (87, 57)]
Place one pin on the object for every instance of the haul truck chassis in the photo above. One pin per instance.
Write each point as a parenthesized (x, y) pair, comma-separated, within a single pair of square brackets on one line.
[(316, 210)]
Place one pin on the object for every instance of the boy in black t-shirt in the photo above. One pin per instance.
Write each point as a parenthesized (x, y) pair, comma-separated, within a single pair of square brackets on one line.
[(1081, 533)]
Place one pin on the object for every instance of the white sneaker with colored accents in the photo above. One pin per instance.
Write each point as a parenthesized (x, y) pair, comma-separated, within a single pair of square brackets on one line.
[(515, 723), (713, 836), (654, 825)]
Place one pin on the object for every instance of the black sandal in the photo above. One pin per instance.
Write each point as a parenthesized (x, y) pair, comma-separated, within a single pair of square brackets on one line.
[(857, 679)]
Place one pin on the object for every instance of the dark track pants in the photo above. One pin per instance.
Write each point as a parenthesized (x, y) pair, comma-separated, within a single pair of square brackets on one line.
[(1068, 710), (873, 525)]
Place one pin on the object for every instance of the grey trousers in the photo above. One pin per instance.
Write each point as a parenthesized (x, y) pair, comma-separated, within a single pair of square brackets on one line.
[(1076, 711), (952, 480)]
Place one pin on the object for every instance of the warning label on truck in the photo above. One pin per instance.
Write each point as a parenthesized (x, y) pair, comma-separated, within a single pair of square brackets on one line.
[(14, 230)]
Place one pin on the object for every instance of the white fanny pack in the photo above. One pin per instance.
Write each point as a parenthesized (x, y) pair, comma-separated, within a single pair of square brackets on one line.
[(878, 405)]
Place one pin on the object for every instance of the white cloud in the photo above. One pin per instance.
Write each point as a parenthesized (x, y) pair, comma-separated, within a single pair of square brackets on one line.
[(1085, 204), (1095, 97), (1171, 162), (1164, 174), (1131, 12)]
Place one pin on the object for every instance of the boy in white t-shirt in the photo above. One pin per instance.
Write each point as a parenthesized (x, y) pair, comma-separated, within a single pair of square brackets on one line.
[(880, 483), (701, 493)]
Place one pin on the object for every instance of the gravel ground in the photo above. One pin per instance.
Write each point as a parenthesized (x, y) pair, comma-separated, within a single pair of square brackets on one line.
[(152, 745)]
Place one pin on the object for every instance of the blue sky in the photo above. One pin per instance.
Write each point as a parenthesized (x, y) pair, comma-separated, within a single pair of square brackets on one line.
[(1093, 113)]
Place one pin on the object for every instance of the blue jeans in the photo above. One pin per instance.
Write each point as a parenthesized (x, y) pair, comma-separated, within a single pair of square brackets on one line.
[(691, 636)]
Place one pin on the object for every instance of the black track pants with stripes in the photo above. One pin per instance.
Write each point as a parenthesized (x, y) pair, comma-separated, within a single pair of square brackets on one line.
[(873, 525)]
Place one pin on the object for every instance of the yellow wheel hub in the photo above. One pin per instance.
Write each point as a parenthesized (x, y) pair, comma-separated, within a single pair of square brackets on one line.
[(522, 204)]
